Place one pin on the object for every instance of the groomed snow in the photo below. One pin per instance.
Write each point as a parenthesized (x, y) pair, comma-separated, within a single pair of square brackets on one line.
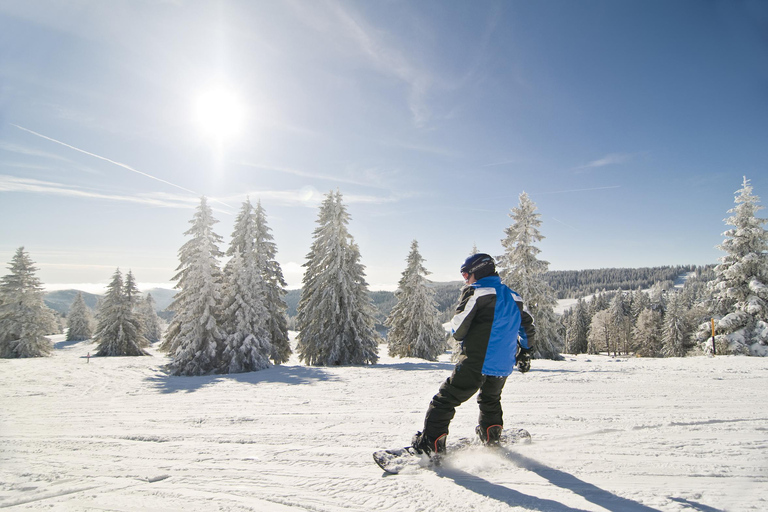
[(609, 434)]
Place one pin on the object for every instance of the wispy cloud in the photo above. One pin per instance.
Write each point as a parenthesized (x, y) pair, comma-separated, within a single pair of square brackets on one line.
[(310, 197), (372, 177), (119, 164), (28, 185), (609, 187), (385, 57), (564, 224), (609, 159), (22, 150)]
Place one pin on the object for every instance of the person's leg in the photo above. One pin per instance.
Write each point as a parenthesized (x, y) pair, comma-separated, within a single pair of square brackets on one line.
[(457, 389), (489, 400)]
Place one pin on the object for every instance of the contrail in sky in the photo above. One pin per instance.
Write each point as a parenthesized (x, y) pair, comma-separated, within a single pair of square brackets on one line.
[(124, 166)]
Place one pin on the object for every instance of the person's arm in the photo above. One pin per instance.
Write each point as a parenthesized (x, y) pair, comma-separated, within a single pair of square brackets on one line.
[(527, 327), (465, 312)]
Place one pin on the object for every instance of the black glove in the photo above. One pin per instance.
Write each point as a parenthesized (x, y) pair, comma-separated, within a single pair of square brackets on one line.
[(523, 358)]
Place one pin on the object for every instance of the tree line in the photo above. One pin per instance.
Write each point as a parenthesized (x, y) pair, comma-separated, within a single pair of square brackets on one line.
[(233, 318)]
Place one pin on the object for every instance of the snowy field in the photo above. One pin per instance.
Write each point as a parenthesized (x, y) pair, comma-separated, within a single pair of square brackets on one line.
[(609, 434)]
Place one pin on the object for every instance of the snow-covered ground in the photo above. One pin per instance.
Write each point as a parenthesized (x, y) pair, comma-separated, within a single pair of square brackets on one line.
[(609, 434)]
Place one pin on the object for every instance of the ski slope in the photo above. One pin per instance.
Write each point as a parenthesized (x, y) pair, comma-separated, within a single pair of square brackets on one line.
[(608, 434)]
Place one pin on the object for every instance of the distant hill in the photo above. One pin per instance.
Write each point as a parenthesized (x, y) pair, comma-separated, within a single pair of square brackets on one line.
[(60, 300), (162, 297)]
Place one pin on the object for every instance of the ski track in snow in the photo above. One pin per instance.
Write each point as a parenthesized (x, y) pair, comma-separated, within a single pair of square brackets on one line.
[(618, 434)]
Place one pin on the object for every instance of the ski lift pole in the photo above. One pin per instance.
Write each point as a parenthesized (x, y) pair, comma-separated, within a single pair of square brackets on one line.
[(714, 350)]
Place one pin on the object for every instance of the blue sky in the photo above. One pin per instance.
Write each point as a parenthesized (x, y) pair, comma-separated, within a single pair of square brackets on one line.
[(630, 124)]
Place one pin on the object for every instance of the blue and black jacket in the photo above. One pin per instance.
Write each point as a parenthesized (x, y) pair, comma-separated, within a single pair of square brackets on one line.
[(488, 322)]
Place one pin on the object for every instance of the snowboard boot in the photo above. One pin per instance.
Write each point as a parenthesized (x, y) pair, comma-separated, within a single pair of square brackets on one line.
[(423, 444), (489, 436)]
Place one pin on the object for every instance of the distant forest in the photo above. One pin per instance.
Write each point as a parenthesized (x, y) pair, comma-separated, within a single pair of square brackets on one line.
[(572, 284), (568, 284)]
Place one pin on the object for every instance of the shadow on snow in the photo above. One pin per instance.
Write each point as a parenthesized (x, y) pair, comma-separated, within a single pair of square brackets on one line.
[(588, 491), (412, 367), (503, 494), (293, 375)]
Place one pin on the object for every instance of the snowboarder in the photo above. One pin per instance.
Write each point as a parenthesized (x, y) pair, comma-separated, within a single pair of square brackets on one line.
[(496, 332)]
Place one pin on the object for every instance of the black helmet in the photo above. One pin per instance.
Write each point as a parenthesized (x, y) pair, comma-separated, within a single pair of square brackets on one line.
[(482, 265)]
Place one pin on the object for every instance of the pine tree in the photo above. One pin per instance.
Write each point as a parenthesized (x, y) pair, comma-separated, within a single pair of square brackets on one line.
[(133, 304), (335, 316), (647, 333), (599, 332), (244, 317), (194, 339), (676, 328), (741, 280), (415, 328), (274, 288), (24, 317), (621, 323), (151, 325), (578, 328), (521, 270), (79, 320), (118, 332)]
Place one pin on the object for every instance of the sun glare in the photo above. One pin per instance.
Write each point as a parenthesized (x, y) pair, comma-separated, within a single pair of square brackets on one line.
[(220, 114)]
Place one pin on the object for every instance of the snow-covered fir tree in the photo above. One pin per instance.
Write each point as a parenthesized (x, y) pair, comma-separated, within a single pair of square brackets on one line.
[(414, 325), (677, 331), (740, 288), (119, 332), (150, 322), (274, 288), (244, 317), (335, 315), (79, 320), (646, 333), (621, 323), (24, 317), (195, 339), (133, 302), (521, 270), (578, 328), (599, 336)]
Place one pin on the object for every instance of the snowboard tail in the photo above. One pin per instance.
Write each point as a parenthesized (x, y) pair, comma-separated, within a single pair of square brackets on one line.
[(396, 460)]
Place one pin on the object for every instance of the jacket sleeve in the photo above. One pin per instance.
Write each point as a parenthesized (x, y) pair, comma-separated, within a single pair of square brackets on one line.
[(527, 327), (465, 312)]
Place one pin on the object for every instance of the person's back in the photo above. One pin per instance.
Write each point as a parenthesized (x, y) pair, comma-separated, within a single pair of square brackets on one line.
[(490, 322)]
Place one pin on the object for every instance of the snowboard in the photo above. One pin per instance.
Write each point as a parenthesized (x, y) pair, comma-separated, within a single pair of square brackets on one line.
[(395, 460)]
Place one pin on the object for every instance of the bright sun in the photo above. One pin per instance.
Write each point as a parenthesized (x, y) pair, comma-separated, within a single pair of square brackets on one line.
[(220, 114)]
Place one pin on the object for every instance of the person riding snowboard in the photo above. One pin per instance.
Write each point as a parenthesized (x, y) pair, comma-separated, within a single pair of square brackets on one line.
[(496, 332)]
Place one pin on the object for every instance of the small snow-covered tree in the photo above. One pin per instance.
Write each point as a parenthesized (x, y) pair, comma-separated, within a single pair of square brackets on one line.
[(677, 331), (647, 333), (133, 301), (24, 317), (335, 316), (274, 288), (194, 338), (578, 328), (79, 320), (621, 323), (599, 336), (150, 322), (740, 287), (414, 325), (118, 332), (521, 270), (244, 316)]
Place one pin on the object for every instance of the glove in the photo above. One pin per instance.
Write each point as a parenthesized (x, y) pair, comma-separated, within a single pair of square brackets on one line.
[(523, 358)]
